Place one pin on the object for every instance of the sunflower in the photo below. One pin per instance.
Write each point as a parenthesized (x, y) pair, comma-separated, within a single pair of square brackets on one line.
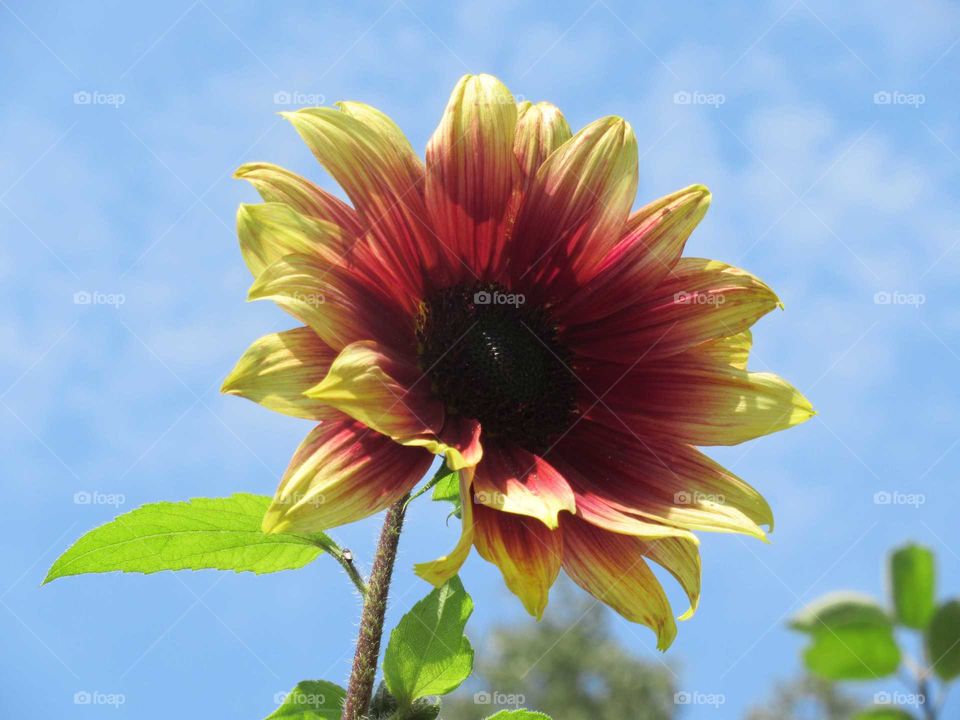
[(501, 306)]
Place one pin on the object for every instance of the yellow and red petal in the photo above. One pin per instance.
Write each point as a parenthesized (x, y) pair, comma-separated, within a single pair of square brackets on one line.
[(459, 442), (654, 488), (695, 398), (699, 301), (541, 129), (527, 552), (574, 209), (384, 391), (611, 567), (269, 231), (472, 176), (437, 572), (276, 184), (733, 350), (338, 304), (386, 128), (651, 246), (516, 481), (277, 369), (680, 556), (384, 181), (341, 473)]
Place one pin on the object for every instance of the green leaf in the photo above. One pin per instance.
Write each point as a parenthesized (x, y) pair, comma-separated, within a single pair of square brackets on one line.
[(428, 653), (912, 576), (852, 638), (883, 713), (447, 489), (519, 715), (943, 640), (310, 700), (217, 533)]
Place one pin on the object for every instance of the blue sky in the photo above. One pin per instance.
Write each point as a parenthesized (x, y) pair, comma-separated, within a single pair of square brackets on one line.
[(827, 132)]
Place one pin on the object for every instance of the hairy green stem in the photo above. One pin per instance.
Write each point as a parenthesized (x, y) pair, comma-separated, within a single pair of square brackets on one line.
[(360, 687)]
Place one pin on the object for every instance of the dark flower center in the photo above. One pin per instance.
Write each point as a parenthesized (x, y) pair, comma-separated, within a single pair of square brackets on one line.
[(495, 359)]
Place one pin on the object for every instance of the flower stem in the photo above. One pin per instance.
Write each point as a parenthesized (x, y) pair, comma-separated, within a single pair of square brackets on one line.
[(345, 558), (360, 687)]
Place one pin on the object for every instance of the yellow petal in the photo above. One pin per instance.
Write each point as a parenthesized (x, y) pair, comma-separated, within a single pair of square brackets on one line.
[(341, 473), (437, 572), (277, 369), (611, 567), (374, 386), (335, 302), (541, 129), (471, 173), (527, 552), (576, 205), (276, 184), (271, 230)]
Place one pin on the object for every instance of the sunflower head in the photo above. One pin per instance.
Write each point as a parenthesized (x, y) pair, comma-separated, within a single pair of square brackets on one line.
[(502, 305)]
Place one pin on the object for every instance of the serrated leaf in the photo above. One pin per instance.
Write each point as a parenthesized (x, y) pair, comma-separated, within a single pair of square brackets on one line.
[(311, 700), (519, 715), (883, 713), (852, 638), (943, 640), (912, 580), (203, 533), (428, 654), (447, 489)]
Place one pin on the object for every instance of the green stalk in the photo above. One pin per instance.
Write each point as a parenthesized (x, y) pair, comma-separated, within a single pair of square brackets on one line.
[(360, 686)]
